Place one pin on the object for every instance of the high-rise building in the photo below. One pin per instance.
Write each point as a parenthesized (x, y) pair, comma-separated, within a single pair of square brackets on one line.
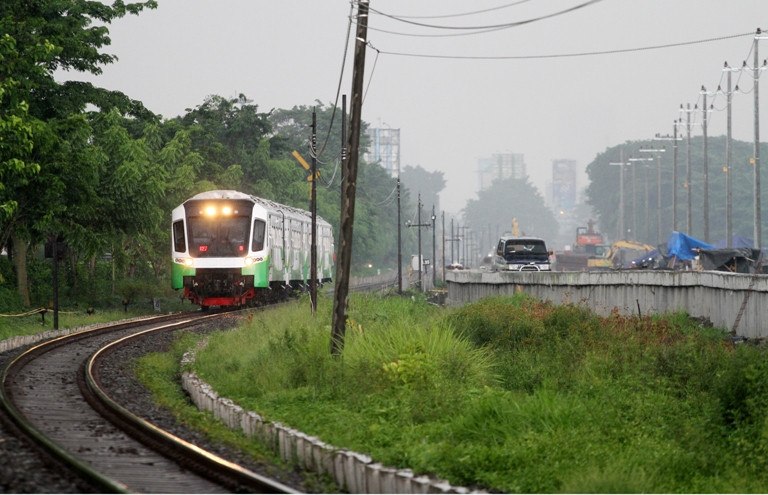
[(500, 166), (384, 149), (563, 184)]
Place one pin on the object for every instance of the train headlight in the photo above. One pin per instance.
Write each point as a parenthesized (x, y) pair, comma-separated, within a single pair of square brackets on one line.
[(249, 261), (184, 261), (210, 211)]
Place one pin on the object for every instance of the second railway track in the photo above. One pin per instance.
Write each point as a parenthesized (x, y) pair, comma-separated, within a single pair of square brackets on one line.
[(46, 390)]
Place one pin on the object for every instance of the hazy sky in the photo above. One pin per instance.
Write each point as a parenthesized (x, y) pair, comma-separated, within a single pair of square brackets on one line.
[(534, 89)]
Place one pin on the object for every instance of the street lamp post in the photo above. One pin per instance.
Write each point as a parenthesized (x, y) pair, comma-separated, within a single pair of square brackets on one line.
[(620, 225), (658, 189), (634, 205), (674, 140)]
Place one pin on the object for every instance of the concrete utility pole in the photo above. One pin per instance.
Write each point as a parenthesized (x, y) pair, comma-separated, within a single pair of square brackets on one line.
[(399, 243), (442, 268), (689, 213), (758, 221), (349, 186), (434, 253), (705, 113), (674, 178), (728, 159)]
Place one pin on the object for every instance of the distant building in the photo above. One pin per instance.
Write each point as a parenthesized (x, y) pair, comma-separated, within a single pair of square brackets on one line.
[(563, 184), (384, 149), (500, 166)]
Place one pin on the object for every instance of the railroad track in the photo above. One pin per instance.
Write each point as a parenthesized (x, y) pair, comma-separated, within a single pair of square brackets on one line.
[(54, 393)]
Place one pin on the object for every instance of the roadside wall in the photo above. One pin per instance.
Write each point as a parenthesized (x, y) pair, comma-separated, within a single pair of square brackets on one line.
[(734, 301)]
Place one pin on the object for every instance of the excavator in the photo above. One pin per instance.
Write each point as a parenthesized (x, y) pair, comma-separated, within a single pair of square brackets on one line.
[(590, 252)]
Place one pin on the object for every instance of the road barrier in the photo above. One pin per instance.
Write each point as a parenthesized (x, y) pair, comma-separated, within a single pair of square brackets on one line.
[(732, 301)]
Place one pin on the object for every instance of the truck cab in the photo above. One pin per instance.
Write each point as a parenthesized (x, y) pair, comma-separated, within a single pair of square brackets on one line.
[(523, 254)]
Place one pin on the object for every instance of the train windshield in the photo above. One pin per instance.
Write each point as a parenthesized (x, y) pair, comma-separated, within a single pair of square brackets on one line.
[(223, 237), (218, 228)]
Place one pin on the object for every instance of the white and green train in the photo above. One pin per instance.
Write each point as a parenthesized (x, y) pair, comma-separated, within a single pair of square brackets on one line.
[(234, 249)]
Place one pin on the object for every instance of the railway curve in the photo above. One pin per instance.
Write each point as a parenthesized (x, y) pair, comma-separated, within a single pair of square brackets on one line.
[(50, 388)]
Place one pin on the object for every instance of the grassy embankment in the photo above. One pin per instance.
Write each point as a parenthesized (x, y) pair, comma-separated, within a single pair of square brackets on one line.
[(511, 394), (18, 322)]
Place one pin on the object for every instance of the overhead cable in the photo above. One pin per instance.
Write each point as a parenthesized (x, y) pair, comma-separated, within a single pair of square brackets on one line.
[(474, 28), (565, 55), (483, 11)]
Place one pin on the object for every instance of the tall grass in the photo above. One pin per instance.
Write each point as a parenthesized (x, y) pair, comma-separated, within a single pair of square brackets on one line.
[(510, 393)]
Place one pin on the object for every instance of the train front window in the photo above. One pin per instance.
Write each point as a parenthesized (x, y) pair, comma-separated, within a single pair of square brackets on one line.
[(218, 237)]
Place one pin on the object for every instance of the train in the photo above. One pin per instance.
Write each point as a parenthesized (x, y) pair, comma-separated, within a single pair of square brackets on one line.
[(232, 249)]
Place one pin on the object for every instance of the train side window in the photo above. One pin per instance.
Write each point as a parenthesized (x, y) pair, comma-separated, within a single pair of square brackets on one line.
[(259, 228), (179, 241)]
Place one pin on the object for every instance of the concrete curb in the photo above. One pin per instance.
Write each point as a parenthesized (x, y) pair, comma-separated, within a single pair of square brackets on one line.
[(357, 473)]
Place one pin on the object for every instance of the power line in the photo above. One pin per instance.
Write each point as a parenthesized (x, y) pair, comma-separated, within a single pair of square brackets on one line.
[(500, 7), (504, 25), (566, 55)]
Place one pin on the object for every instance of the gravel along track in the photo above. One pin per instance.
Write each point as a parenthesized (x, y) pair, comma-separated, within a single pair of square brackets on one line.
[(23, 469)]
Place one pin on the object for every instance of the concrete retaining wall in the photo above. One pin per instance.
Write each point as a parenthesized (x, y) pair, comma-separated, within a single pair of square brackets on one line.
[(736, 302)]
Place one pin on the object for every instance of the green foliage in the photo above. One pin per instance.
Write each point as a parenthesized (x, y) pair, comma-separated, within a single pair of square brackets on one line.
[(603, 191), (742, 390), (511, 394)]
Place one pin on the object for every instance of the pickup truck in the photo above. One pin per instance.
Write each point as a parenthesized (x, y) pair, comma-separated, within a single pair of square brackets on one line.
[(522, 254)]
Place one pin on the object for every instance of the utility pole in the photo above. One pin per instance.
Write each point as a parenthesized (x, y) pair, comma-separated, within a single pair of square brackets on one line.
[(313, 211), (442, 268), (349, 186), (758, 222), (453, 239), (419, 225), (399, 243), (688, 188), (705, 113), (674, 179), (728, 158), (434, 254)]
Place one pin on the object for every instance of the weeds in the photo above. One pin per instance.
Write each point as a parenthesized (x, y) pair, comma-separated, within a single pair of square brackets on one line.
[(511, 394)]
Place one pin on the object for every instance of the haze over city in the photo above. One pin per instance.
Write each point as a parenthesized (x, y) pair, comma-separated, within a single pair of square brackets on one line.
[(562, 79)]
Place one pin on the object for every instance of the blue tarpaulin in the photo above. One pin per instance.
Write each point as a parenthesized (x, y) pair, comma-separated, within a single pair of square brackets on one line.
[(683, 246)]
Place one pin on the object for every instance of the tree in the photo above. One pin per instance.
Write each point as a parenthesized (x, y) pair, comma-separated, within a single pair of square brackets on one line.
[(603, 192), (40, 38), (428, 184), (507, 200)]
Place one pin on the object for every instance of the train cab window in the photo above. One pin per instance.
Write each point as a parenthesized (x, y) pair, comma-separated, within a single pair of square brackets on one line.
[(259, 229), (179, 241)]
